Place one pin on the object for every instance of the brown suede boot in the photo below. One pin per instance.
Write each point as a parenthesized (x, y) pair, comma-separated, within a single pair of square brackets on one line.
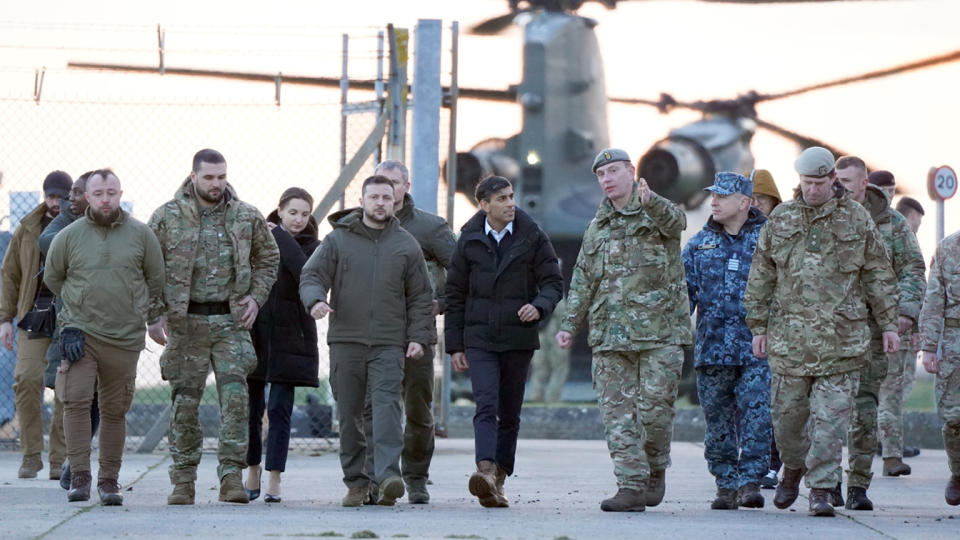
[(183, 493), (952, 493), (788, 489), (30, 466), (79, 487), (626, 500), (355, 496), (726, 499), (820, 502), (483, 484), (656, 487), (502, 500), (749, 496), (55, 470), (231, 489), (894, 466), (109, 491)]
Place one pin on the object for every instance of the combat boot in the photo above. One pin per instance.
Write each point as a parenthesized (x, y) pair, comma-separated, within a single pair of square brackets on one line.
[(820, 502), (390, 491), (789, 488), (836, 495), (79, 487), (857, 499), (231, 489), (55, 470), (502, 500), (483, 484), (373, 494), (109, 491), (749, 496), (355, 496), (626, 500), (726, 499), (30, 466), (894, 466), (656, 487), (183, 493), (417, 493), (952, 493)]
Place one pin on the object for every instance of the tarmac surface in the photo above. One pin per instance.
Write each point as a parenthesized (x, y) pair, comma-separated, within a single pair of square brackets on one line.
[(555, 493)]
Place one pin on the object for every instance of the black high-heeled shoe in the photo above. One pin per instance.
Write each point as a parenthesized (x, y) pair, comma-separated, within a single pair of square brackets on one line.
[(252, 494), (268, 498)]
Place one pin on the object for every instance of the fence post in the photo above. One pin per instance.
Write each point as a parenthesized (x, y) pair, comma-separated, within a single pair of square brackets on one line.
[(396, 141), (425, 161)]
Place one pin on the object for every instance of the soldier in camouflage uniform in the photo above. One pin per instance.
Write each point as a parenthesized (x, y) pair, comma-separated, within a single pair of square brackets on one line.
[(221, 261), (551, 364), (904, 253), (629, 278), (819, 271), (940, 346), (733, 384)]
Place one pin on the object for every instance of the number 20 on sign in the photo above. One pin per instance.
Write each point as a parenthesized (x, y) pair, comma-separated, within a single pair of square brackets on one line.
[(941, 183)]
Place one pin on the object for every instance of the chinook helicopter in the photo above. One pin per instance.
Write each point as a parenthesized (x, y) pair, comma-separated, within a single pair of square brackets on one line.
[(563, 101)]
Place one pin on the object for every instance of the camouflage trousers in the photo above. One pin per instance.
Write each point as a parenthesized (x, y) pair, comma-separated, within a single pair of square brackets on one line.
[(636, 392), (210, 341), (890, 408), (736, 408), (549, 370), (947, 393), (810, 418), (862, 434)]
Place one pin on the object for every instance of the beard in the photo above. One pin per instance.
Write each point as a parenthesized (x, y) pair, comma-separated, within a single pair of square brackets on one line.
[(105, 219), (205, 195), (374, 219)]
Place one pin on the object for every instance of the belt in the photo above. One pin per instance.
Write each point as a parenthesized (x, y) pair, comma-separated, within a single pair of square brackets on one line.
[(208, 308), (951, 323)]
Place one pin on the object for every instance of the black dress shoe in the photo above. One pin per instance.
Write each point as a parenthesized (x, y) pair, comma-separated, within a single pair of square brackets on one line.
[(252, 494), (268, 498)]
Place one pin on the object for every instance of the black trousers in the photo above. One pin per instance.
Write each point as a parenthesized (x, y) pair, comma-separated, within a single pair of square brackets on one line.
[(279, 408), (498, 379)]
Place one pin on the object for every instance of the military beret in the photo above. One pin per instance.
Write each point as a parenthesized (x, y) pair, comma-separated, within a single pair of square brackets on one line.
[(609, 155), (882, 178), (728, 183), (57, 183), (815, 161)]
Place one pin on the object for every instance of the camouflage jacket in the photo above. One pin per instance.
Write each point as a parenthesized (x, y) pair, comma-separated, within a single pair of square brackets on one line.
[(942, 300), (717, 266), (905, 256), (256, 257), (629, 278), (815, 271)]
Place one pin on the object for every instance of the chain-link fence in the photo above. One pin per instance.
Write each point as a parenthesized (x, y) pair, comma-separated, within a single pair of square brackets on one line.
[(86, 121)]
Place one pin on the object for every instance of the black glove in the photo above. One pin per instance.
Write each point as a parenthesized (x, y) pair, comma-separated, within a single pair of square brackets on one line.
[(71, 344)]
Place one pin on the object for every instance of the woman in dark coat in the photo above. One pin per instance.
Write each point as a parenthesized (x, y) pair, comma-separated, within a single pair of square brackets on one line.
[(285, 338)]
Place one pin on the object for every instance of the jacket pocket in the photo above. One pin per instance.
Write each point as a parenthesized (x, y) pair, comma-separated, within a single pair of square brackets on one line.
[(850, 248), (852, 330)]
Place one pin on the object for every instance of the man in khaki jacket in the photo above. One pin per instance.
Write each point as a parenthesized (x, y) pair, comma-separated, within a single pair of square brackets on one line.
[(21, 276)]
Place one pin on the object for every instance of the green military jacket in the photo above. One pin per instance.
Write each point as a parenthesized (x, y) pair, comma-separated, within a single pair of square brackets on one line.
[(255, 254), (942, 300), (106, 276), (905, 257), (20, 267), (628, 280), (814, 273)]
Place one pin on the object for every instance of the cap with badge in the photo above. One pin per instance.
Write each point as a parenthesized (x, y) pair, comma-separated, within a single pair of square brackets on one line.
[(609, 155), (728, 183), (882, 178), (815, 161)]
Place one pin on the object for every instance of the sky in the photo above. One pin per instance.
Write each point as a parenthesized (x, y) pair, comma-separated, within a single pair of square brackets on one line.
[(689, 49)]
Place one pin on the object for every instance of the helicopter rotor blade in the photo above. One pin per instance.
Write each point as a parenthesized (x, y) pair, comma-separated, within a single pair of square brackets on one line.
[(494, 25), (895, 70)]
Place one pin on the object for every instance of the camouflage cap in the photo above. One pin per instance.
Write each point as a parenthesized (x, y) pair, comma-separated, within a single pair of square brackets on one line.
[(728, 183), (815, 161), (609, 155)]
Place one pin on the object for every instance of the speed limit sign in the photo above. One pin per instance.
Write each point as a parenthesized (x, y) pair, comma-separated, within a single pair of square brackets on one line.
[(941, 183)]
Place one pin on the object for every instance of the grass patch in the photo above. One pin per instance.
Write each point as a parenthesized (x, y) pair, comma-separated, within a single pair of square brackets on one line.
[(364, 534), (463, 536), (921, 398)]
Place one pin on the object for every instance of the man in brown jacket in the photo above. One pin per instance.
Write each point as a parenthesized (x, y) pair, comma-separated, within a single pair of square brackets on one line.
[(22, 275)]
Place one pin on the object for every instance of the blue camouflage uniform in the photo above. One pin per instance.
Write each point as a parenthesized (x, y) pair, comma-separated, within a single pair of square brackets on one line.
[(733, 384)]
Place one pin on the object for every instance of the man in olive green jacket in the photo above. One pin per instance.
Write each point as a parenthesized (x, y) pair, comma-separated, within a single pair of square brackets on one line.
[(106, 267), (379, 301)]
